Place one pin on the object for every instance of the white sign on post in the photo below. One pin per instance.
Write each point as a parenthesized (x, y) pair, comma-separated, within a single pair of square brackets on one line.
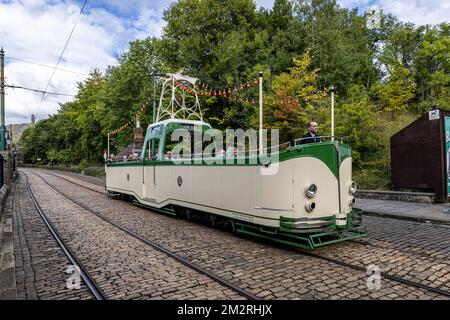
[(433, 115)]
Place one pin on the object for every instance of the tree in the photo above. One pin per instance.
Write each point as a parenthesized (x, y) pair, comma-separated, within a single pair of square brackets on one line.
[(398, 91), (337, 38), (356, 123), (299, 84), (433, 65)]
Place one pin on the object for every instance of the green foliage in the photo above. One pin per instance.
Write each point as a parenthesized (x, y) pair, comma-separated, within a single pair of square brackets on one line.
[(356, 123), (398, 91), (95, 171), (384, 78), (300, 83)]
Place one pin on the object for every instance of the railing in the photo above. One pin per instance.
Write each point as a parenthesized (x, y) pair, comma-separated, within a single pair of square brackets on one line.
[(236, 153)]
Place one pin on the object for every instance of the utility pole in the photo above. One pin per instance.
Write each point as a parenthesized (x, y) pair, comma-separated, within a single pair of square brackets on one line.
[(2, 101)]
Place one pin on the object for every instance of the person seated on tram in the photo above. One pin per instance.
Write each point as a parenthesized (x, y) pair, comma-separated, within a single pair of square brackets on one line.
[(168, 155), (134, 157), (154, 156)]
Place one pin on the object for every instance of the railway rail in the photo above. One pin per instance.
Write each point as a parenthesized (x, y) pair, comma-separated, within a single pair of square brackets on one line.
[(90, 283), (391, 277), (148, 242)]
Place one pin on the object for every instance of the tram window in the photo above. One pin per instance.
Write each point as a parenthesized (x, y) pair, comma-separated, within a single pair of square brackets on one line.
[(152, 149)]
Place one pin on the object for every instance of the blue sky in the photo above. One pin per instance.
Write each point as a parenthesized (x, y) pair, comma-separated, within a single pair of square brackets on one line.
[(36, 30)]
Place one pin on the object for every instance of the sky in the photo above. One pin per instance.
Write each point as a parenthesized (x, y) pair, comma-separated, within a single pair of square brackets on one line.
[(37, 30)]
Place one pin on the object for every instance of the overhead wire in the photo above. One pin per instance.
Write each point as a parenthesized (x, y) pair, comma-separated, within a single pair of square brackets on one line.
[(60, 57), (40, 91), (387, 3), (47, 66)]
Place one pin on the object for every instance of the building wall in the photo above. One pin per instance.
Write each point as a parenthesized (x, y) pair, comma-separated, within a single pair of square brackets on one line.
[(417, 156), (17, 130)]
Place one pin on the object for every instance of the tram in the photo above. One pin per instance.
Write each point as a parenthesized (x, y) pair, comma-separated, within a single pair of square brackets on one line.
[(307, 202)]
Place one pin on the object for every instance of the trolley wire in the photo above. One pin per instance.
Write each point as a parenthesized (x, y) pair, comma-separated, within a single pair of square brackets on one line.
[(40, 91), (47, 66), (60, 57)]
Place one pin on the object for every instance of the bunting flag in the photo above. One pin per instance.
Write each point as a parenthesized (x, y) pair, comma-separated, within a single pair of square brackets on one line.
[(133, 118), (232, 92)]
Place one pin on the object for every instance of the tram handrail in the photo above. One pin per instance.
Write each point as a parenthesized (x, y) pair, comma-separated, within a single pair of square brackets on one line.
[(247, 153)]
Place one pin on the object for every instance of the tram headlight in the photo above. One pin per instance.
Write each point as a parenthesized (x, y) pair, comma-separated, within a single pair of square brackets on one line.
[(352, 201), (352, 187), (310, 206), (311, 190)]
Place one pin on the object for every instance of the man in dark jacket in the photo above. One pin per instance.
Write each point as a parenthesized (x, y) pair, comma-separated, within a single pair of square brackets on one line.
[(312, 135)]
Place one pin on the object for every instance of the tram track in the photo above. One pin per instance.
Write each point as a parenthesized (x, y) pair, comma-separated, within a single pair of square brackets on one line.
[(419, 254), (148, 242), (90, 283), (382, 274), (391, 277)]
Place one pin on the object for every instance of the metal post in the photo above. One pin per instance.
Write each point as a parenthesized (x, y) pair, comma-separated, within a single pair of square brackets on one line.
[(332, 113), (261, 147), (2, 101), (108, 145), (154, 99)]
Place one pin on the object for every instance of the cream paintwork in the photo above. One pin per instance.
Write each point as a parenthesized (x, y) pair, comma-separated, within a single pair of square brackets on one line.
[(345, 172), (239, 192)]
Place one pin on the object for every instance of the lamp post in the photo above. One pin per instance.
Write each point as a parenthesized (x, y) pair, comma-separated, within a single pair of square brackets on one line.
[(2, 101)]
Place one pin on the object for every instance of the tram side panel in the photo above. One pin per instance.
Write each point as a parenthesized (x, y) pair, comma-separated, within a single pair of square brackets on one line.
[(307, 171), (125, 179)]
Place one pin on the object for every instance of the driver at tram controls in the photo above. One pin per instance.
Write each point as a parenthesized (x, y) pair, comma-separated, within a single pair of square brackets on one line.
[(312, 136)]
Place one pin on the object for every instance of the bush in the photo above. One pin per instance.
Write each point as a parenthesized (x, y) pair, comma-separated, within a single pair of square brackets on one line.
[(95, 171), (74, 169), (83, 164)]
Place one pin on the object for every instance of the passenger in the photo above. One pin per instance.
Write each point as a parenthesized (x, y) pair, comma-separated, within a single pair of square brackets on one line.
[(312, 136), (134, 157), (230, 152), (168, 155), (124, 158), (155, 155)]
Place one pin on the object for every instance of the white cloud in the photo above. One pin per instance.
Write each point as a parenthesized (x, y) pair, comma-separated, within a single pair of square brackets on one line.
[(36, 30), (419, 12)]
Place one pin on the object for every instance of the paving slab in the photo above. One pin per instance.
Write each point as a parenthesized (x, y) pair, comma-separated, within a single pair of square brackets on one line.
[(420, 212)]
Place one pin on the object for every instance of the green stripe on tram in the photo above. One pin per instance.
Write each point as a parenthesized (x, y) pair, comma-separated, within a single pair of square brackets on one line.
[(325, 152)]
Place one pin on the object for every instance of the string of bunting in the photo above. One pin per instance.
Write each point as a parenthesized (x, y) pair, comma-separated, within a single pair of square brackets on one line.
[(227, 92), (231, 92), (133, 118), (234, 93)]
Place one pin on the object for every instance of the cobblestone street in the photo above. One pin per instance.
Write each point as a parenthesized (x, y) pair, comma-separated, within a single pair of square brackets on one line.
[(413, 256)]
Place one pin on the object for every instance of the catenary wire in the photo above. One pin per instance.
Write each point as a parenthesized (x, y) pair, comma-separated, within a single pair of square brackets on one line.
[(47, 66), (60, 57)]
